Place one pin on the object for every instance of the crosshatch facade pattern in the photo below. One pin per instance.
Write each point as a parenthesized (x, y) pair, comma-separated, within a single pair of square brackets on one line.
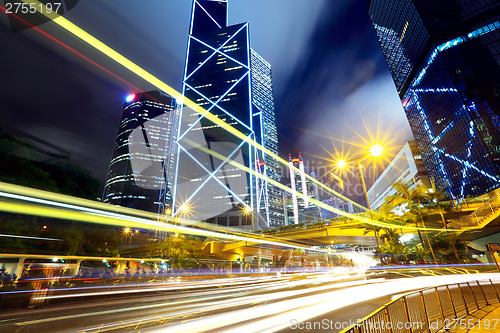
[(452, 93), (217, 78), (215, 173)]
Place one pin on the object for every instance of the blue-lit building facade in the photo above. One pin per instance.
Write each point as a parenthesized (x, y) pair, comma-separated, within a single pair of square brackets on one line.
[(444, 58), (143, 160), (220, 174)]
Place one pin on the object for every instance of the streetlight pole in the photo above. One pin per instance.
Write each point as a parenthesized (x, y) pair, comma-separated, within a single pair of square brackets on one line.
[(362, 178), (360, 169), (375, 151)]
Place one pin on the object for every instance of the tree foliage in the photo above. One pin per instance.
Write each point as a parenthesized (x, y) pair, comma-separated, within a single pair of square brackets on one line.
[(27, 165)]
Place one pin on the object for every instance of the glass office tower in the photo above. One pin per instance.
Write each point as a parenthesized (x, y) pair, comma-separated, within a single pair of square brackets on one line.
[(220, 175), (444, 58), (270, 199), (143, 159)]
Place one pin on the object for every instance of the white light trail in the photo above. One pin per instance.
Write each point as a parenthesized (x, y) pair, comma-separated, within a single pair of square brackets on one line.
[(278, 315), (31, 237)]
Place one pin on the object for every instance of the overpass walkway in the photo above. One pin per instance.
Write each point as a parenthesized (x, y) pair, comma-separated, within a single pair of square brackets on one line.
[(486, 215), (341, 232)]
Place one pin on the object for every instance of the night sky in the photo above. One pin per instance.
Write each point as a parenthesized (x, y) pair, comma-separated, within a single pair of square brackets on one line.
[(331, 82)]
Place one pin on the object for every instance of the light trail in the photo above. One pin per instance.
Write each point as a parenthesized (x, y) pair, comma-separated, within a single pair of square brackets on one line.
[(279, 315), (185, 307), (150, 78), (31, 237), (91, 215), (99, 216), (312, 200), (266, 305), (267, 311), (228, 284), (45, 197)]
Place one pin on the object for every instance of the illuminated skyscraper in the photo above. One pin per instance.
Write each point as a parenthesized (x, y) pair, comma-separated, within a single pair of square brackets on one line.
[(444, 57), (217, 173), (140, 164), (267, 135)]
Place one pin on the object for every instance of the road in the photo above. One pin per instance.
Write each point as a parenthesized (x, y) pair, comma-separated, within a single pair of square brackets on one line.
[(241, 304)]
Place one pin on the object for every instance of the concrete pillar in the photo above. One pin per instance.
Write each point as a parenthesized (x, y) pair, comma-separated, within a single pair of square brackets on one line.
[(76, 267), (20, 267)]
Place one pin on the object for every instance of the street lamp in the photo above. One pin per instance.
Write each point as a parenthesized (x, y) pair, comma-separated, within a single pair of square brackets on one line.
[(375, 150), (341, 164), (127, 232)]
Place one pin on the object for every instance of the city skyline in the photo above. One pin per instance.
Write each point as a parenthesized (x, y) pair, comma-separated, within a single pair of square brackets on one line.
[(260, 165), (62, 129)]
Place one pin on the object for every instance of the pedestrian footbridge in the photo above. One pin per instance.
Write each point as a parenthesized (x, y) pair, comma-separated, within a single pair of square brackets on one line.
[(483, 221)]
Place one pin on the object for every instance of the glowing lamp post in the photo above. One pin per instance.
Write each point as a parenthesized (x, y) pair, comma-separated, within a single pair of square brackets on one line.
[(128, 235), (341, 164), (376, 150)]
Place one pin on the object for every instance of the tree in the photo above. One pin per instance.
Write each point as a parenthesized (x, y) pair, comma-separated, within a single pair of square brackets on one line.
[(412, 199), (444, 247), (26, 164), (435, 200), (392, 245), (420, 252)]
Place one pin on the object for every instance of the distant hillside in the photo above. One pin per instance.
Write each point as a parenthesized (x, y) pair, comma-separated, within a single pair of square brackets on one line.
[(28, 162)]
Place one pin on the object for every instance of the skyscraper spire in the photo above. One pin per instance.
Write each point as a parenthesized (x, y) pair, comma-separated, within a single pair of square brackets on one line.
[(208, 15)]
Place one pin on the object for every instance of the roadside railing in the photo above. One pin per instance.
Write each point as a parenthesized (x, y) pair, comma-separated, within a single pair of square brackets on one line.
[(479, 215), (309, 227), (429, 310)]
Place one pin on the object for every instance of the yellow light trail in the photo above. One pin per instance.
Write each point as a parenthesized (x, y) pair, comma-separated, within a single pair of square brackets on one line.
[(103, 48), (145, 75), (44, 197), (119, 220), (314, 201)]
